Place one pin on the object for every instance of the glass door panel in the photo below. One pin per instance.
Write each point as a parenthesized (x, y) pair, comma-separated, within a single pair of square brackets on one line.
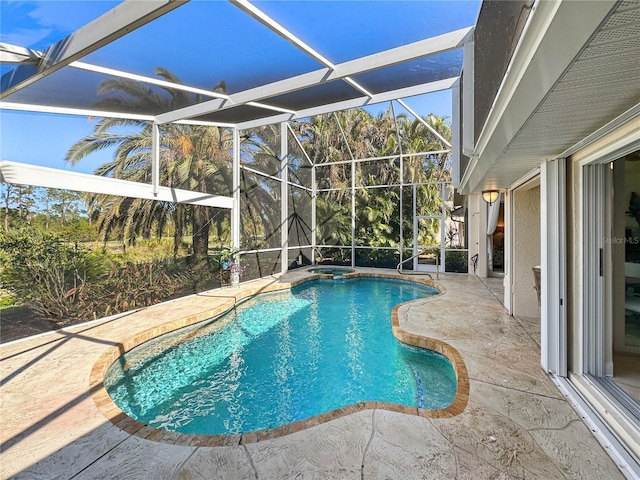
[(624, 243), (428, 241)]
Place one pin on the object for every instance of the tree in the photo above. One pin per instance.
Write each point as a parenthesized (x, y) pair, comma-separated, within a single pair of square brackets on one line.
[(26, 202), (354, 133), (417, 138), (8, 197), (192, 157), (66, 204), (19, 202)]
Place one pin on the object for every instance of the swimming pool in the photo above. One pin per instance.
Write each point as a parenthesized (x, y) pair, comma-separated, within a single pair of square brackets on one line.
[(282, 357)]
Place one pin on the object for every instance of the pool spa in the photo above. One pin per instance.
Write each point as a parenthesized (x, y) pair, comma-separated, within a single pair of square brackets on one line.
[(282, 357), (335, 271)]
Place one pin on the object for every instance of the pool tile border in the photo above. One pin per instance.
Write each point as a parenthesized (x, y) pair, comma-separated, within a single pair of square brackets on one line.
[(117, 417)]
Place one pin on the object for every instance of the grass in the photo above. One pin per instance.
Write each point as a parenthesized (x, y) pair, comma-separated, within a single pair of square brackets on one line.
[(7, 301)]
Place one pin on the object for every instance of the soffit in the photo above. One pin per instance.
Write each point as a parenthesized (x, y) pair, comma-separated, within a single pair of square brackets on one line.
[(600, 84)]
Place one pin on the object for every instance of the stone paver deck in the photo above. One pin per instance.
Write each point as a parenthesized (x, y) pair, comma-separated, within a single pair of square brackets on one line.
[(516, 424)]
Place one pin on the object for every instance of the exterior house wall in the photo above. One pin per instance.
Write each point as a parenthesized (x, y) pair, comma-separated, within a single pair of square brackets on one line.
[(526, 249), (498, 30), (478, 233)]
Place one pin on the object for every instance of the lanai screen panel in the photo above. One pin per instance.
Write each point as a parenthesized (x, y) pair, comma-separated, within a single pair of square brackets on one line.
[(223, 50), (326, 93), (345, 30), (334, 176), (238, 114), (378, 172), (323, 141), (333, 218), (259, 212), (260, 150), (19, 19), (415, 72), (377, 226), (299, 217), (204, 43), (219, 48), (298, 163)]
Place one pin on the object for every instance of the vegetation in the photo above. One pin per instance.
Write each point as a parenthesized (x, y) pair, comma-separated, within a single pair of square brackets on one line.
[(66, 282), (41, 269), (71, 256), (192, 157), (378, 209)]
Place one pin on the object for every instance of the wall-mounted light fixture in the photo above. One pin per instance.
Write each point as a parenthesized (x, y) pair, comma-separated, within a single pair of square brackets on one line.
[(490, 196)]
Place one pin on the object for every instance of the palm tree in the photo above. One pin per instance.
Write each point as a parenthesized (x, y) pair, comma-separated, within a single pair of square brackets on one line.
[(416, 138), (377, 222), (192, 157), (260, 196)]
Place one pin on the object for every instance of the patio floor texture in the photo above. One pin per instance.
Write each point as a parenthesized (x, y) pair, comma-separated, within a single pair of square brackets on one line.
[(516, 424)]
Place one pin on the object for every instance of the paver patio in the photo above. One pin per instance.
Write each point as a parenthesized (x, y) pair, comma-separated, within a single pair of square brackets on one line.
[(516, 424)]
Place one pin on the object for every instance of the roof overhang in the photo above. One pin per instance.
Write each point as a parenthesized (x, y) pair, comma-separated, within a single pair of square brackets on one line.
[(574, 71)]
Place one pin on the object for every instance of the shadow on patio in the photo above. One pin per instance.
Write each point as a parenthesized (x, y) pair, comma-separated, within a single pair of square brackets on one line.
[(516, 424)]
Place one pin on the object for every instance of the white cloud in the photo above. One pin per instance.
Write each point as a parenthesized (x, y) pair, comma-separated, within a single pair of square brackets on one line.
[(38, 24), (25, 37)]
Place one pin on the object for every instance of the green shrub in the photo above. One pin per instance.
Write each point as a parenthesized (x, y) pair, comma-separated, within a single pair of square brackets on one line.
[(134, 285), (65, 282), (376, 258), (46, 272), (457, 261)]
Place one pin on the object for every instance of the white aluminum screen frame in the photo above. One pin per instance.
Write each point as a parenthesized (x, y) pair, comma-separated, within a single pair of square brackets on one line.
[(553, 309)]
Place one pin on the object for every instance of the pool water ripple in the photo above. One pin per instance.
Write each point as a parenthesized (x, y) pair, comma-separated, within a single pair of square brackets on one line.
[(282, 357)]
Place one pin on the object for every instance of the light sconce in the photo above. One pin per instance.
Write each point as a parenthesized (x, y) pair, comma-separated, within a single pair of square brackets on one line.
[(490, 196)]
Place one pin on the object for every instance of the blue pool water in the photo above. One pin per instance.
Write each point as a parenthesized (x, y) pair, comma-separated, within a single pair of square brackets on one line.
[(282, 357)]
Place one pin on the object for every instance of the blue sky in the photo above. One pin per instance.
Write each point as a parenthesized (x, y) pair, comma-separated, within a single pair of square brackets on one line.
[(37, 25), (43, 139)]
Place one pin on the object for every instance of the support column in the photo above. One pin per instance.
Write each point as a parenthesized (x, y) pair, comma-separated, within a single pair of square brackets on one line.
[(509, 257), (155, 158), (314, 240), (284, 198), (353, 213), (478, 233), (235, 211)]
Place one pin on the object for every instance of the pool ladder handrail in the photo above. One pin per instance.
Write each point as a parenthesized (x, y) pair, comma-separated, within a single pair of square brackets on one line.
[(399, 266)]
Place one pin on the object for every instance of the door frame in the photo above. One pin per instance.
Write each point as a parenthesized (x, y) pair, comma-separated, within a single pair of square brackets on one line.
[(417, 267), (596, 319)]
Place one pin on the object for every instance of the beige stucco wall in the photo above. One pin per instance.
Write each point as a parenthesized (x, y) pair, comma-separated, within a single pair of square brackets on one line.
[(526, 249), (478, 233)]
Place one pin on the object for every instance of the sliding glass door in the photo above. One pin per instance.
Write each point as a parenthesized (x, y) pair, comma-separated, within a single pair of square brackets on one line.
[(611, 279)]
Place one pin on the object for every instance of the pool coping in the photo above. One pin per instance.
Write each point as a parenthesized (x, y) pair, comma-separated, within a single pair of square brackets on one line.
[(120, 419)]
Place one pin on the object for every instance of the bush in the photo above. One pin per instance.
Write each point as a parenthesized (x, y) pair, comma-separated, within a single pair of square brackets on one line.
[(456, 261), (44, 271), (136, 285), (65, 282), (376, 258)]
